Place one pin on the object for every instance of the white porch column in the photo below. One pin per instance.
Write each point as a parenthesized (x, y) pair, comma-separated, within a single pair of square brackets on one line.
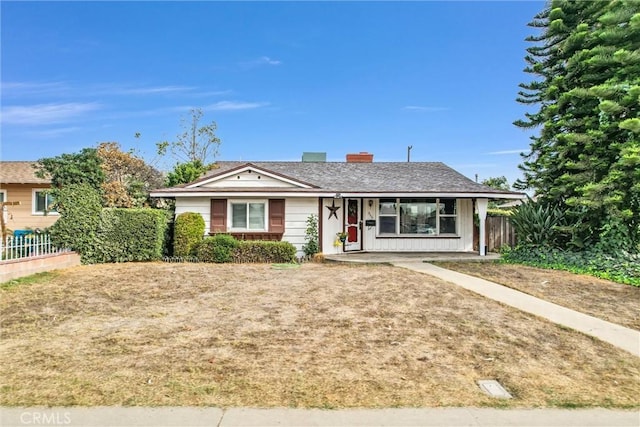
[(482, 216)]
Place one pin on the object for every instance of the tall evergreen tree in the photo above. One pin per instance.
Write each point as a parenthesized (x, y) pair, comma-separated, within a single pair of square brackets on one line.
[(586, 157)]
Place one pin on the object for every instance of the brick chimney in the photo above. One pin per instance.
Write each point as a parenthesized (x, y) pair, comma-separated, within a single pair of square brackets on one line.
[(361, 157)]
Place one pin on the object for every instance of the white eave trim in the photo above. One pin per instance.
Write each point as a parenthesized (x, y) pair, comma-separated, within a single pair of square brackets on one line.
[(244, 169), (294, 194)]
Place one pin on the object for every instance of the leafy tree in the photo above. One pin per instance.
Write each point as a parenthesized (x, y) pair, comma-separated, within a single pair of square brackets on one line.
[(184, 173), (197, 143), (499, 182), (75, 168), (128, 179), (586, 157)]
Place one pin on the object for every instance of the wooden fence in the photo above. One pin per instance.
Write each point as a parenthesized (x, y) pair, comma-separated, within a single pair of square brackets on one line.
[(500, 232)]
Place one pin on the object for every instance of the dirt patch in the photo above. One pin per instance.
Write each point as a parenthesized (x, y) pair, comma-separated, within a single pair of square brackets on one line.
[(606, 300), (329, 336)]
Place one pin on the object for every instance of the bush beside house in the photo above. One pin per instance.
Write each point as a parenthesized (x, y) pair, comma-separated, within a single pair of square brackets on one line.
[(131, 235), (188, 232), (106, 235), (225, 248)]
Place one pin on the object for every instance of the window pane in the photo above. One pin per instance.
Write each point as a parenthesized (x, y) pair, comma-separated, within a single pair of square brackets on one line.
[(448, 206), (409, 216), (417, 216), (256, 216), (40, 201), (388, 224), (1, 196), (387, 206), (238, 215), (448, 225), (50, 201)]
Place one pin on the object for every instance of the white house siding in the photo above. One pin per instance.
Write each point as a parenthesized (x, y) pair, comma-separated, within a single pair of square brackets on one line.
[(296, 213), (463, 243), (201, 205), (248, 179), (297, 210), (331, 226)]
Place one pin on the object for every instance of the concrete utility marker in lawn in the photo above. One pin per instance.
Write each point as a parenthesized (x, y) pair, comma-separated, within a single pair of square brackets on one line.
[(624, 338)]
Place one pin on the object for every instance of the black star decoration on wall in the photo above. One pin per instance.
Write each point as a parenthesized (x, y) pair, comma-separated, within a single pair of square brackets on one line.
[(333, 209)]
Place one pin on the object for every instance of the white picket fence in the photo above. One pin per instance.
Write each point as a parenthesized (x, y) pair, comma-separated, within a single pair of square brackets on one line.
[(27, 246)]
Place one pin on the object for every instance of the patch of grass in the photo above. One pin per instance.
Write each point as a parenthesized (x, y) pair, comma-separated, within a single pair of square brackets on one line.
[(317, 336), (28, 280), (614, 302), (284, 266)]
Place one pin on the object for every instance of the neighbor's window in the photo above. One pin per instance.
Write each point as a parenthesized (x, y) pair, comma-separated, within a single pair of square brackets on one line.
[(42, 202), (248, 215), (423, 217)]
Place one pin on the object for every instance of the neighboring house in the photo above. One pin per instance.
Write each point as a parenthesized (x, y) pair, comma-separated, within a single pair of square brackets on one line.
[(18, 183), (381, 206)]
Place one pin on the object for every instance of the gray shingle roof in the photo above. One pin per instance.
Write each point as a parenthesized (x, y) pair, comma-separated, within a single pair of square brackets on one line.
[(376, 177)]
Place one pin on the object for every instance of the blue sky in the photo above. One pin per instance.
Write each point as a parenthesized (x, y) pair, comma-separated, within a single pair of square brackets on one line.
[(279, 78)]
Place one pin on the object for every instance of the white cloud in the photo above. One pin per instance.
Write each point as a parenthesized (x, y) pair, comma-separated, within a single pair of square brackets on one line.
[(263, 60), (504, 152), (235, 106), (153, 90), (22, 89), (46, 113), (424, 109), (269, 61), (53, 132)]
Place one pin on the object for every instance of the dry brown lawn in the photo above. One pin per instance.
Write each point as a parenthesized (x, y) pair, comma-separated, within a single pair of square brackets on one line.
[(607, 300), (322, 335)]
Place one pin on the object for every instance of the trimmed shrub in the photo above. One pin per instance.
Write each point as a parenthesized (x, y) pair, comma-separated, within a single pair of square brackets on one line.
[(217, 249), (264, 252), (130, 235), (79, 206), (188, 232)]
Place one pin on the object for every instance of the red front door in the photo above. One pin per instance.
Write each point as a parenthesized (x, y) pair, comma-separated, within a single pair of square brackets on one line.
[(353, 225)]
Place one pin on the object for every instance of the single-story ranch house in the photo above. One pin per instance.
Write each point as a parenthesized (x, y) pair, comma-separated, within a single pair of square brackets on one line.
[(379, 206)]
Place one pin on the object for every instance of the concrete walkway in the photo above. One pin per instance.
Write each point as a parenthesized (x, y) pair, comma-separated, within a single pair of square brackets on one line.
[(625, 338), (235, 417)]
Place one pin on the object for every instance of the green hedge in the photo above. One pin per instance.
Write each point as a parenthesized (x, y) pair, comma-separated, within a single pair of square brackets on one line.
[(188, 232), (79, 206), (218, 248), (130, 235), (224, 248), (266, 252)]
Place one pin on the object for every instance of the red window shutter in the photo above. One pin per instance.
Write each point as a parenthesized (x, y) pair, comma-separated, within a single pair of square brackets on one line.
[(276, 215), (218, 216)]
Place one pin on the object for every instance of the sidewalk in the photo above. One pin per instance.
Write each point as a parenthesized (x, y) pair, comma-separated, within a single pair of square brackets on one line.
[(235, 417), (625, 338)]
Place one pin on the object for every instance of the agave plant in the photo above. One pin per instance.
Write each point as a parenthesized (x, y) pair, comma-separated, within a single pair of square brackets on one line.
[(536, 224)]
